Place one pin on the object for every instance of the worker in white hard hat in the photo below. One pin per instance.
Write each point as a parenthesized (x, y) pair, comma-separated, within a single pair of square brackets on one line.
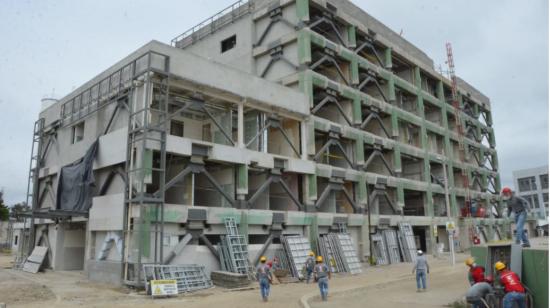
[(422, 269)]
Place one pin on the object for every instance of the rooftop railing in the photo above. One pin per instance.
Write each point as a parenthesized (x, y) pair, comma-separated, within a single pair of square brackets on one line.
[(226, 16)]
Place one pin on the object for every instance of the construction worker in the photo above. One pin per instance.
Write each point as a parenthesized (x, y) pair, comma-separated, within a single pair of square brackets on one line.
[(422, 268), (520, 206), (476, 273), (478, 292), (515, 292), (321, 274), (309, 265), (264, 277)]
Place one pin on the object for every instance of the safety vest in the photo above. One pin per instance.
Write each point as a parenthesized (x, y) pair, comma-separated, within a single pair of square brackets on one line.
[(511, 282), (478, 273)]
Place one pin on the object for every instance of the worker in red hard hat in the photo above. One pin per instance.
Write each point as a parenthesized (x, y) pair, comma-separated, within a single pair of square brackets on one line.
[(515, 292), (476, 273), (520, 207)]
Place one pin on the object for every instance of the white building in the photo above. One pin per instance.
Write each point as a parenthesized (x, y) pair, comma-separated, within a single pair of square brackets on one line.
[(532, 184)]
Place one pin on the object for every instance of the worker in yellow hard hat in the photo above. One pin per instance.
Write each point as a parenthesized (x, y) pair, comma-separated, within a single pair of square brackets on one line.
[(476, 273), (321, 274), (264, 278), (309, 265), (515, 292)]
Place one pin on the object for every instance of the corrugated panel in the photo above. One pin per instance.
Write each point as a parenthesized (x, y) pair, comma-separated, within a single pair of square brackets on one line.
[(379, 252)]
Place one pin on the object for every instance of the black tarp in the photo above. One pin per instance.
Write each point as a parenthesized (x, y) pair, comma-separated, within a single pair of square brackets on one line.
[(76, 186)]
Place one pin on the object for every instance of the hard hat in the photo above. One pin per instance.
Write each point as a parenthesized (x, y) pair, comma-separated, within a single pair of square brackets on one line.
[(319, 259), (499, 266), (506, 190), (311, 253), (469, 261), (263, 259), (419, 252)]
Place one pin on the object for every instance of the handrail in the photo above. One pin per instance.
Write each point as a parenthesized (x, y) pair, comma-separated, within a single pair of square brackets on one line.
[(211, 21)]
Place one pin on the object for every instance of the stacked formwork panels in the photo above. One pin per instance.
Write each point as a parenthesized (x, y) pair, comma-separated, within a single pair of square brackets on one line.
[(359, 132)]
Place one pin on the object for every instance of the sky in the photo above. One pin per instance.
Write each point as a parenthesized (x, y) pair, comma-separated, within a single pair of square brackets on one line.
[(51, 47)]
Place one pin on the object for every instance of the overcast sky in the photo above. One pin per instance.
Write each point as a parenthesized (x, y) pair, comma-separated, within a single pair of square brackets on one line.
[(500, 47)]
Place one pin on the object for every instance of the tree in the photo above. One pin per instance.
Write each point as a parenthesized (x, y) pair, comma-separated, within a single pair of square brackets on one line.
[(18, 208), (4, 211)]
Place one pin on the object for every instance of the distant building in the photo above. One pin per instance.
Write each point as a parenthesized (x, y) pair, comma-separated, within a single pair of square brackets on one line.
[(532, 184)]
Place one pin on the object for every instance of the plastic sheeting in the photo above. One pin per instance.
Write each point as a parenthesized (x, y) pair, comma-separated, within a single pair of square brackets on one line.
[(77, 184)]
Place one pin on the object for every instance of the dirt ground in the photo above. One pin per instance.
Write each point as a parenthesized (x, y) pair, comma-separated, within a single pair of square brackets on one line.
[(382, 286)]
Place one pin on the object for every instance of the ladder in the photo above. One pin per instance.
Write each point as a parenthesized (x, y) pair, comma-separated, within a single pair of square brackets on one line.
[(33, 186), (238, 248)]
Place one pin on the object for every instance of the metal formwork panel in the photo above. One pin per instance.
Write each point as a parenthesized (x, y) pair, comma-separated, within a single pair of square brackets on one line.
[(408, 241), (297, 249), (379, 252), (349, 253), (190, 277), (392, 245)]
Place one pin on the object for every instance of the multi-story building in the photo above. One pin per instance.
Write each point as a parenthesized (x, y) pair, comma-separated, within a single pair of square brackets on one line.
[(291, 116), (532, 184)]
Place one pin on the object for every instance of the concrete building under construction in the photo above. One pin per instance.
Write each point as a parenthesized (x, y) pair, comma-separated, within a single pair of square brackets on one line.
[(291, 116)]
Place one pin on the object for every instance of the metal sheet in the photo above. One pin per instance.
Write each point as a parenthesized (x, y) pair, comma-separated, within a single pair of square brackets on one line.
[(392, 246)]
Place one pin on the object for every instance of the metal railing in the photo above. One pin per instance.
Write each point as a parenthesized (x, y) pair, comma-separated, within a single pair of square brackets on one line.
[(102, 92), (213, 23)]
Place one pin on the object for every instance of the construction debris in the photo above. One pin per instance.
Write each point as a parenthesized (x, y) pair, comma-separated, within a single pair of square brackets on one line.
[(229, 280), (189, 277)]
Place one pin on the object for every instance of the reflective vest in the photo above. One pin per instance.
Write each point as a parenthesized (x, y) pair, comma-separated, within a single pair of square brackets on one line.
[(478, 273), (511, 282)]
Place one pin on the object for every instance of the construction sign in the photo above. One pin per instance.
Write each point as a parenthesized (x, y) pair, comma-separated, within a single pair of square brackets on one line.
[(164, 287)]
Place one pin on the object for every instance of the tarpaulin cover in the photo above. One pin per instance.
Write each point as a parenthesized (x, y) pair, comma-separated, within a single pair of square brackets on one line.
[(77, 184)]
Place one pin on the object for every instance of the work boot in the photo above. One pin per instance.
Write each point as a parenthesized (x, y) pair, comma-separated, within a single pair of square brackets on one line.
[(418, 290), (526, 245)]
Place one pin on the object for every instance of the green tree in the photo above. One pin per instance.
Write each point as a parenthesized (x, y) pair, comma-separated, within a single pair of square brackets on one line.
[(4, 211)]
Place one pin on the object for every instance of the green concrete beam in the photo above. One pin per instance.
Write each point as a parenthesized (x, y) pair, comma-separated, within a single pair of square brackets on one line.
[(302, 10)]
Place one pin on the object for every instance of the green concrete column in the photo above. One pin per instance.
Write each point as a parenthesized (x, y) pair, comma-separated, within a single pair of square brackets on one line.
[(492, 141), (243, 225), (495, 160), (314, 231), (357, 117), (302, 10), (400, 195), (394, 124), (305, 84), (397, 165), (387, 58), (242, 179), (352, 36), (417, 78), (312, 187), (359, 150), (304, 48), (429, 205), (391, 89), (354, 68), (362, 193)]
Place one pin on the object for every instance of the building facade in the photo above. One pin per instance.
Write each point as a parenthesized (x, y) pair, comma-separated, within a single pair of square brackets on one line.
[(532, 184), (290, 116)]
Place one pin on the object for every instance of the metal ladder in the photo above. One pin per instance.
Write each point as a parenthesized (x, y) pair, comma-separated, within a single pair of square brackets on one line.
[(238, 248), (33, 186)]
